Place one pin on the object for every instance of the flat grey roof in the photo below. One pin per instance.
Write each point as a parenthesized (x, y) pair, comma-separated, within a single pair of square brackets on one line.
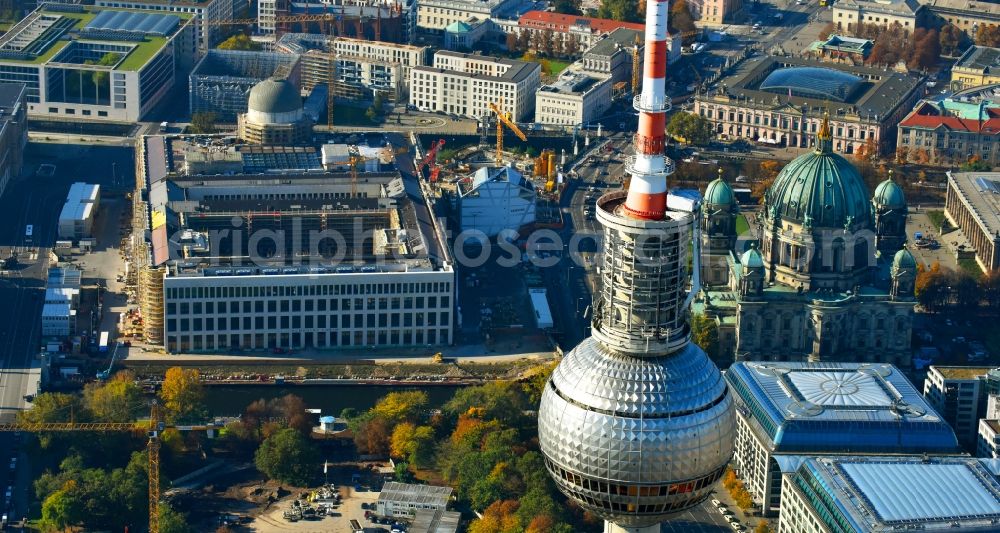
[(979, 58), (981, 190), (417, 494), (622, 38)]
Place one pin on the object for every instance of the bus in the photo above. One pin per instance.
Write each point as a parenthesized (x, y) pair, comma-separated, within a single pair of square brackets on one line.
[(103, 345), (29, 230)]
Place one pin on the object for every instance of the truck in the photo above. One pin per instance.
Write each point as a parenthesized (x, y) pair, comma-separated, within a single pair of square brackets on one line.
[(102, 346)]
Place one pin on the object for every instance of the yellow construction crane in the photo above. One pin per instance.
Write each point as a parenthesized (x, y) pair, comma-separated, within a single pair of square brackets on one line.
[(504, 120), (152, 427)]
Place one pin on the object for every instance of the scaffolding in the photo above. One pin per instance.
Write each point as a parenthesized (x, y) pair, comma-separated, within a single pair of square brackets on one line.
[(151, 303), (222, 80)]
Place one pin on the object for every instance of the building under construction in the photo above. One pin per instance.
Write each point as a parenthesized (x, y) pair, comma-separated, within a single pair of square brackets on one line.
[(359, 21), (362, 67), (220, 83), (256, 247)]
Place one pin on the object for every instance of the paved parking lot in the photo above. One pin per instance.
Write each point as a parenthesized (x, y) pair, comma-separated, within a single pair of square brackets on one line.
[(349, 508)]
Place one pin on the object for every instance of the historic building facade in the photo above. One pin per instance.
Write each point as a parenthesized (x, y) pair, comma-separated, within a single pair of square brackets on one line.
[(828, 280)]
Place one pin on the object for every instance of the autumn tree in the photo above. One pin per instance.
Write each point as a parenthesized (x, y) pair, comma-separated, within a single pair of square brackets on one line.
[(705, 333), (950, 38), (762, 527), (926, 49), (901, 155), (768, 172), (413, 443), (400, 406), (239, 42), (988, 35), (183, 395), (827, 31), (920, 156), (117, 400), (202, 123), (931, 287), (867, 152), (976, 164), (681, 21)]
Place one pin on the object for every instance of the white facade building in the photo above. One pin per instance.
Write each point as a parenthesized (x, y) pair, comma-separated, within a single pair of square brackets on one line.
[(76, 220), (436, 15), (52, 51), (959, 394), (58, 320), (465, 84), (577, 97), (498, 198), (252, 309), (404, 499)]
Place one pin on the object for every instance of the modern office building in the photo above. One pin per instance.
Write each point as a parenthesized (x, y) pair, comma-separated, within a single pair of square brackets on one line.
[(971, 205), (907, 13), (435, 15), (781, 101), (403, 500), (82, 63), (950, 131), (988, 441), (275, 115), (875, 494), (496, 199), (212, 11), (787, 410), (222, 80), (828, 279), (977, 66), (269, 251), (13, 131), (576, 97), (466, 84), (362, 67), (959, 393)]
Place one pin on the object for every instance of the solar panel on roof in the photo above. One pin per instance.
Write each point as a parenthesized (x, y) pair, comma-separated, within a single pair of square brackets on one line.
[(147, 23)]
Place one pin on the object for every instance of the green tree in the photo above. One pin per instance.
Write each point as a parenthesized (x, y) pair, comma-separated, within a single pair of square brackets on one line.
[(239, 42), (568, 7), (117, 400), (705, 333), (288, 456), (202, 123), (498, 400), (62, 509), (183, 395), (690, 127), (976, 164), (172, 521), (623, 10)]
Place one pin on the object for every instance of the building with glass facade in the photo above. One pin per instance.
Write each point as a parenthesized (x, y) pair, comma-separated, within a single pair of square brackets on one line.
[(880, 494), (787, 410), (82, 63)]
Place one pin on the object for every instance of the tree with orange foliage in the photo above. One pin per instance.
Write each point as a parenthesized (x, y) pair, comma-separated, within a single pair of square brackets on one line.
[(901, 154), (769, 171)]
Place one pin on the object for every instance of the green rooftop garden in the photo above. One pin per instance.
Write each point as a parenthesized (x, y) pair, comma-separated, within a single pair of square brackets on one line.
[(133, 61)]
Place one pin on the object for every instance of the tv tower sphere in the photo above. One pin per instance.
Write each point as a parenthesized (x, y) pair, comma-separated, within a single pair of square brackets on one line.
[(636, 423)]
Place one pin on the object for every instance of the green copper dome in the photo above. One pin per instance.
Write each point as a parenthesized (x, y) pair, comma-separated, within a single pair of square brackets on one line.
[(903, 260), (719, 193), (889, 195), (820, 189), (752, 258)]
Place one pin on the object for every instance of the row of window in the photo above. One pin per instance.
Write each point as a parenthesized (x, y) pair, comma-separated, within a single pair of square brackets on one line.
[(307, 339), (296, 306), (257, 291), (357, 321), (777, 121)]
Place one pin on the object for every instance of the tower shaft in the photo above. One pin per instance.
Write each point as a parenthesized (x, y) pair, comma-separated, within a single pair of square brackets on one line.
[(649, 169)]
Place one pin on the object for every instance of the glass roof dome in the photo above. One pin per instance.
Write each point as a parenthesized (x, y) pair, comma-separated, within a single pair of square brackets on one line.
[(812, 82)]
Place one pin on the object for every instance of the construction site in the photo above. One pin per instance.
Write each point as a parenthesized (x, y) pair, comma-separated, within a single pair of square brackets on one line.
[(220, 83)]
